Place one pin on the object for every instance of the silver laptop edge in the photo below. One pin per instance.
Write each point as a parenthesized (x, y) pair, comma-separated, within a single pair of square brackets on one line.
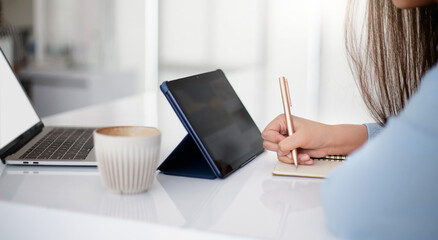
[(14, 159)]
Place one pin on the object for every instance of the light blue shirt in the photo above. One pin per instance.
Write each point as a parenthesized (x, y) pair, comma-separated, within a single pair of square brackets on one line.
[(373, 129), (388, 189)]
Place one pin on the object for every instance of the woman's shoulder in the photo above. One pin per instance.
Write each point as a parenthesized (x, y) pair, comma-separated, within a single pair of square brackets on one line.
[(422, 109), (388, 184), (431, 76)]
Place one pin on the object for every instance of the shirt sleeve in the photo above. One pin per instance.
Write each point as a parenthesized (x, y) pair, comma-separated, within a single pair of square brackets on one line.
[(373, 129), (388, 188)]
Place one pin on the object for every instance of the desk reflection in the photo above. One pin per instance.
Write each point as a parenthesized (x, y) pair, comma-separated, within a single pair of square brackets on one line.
[(69, 188), (291, 197), (201, 202), (136, 207), (73, 189)]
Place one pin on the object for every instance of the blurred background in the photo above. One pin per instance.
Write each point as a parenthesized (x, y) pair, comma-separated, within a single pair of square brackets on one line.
[(71, 54)]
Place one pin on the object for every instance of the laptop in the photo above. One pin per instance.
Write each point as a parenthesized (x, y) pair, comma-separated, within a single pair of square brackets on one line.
[(24, 140)]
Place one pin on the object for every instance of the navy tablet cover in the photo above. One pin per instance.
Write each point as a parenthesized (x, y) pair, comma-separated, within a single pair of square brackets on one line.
[(187, 160), (222, 112)]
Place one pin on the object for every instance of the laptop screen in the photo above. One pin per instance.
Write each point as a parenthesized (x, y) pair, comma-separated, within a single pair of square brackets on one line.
[(16, 112)]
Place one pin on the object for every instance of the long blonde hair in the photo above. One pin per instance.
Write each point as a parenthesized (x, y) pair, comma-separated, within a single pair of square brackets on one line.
[(394, 51)]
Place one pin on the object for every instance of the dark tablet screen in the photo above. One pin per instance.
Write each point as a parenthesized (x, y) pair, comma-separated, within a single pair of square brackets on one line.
[(218, 118)]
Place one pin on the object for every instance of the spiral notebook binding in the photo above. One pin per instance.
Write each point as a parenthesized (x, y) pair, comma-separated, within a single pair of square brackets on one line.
[(332, 158)]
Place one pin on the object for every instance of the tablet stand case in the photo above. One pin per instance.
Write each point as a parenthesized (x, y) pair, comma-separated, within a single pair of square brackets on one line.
[(187, 160)]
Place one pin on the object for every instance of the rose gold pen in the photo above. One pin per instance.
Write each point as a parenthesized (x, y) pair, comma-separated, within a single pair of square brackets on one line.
[(287, 104)]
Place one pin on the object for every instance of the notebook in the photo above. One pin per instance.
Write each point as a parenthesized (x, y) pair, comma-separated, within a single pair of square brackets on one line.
[(24, 140), (321, 167)]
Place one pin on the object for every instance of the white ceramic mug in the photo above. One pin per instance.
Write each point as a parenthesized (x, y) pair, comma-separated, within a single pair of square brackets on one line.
[(127, 157)]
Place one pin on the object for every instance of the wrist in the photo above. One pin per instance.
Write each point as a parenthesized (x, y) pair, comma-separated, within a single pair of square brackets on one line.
[(346, 138)]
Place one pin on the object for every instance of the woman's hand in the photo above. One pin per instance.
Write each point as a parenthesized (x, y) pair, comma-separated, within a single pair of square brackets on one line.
[(312, 139)]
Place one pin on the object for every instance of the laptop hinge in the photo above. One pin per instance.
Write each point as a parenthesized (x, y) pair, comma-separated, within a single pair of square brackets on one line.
[(21, 140)]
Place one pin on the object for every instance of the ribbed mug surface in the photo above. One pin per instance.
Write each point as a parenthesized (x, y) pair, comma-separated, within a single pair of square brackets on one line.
[(127, 164)]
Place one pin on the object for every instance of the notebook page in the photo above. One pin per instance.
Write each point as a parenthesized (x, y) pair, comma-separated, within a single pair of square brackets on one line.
[(319, 169)]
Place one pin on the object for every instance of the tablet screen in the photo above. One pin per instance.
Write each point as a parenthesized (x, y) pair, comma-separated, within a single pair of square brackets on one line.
[(218, 118)]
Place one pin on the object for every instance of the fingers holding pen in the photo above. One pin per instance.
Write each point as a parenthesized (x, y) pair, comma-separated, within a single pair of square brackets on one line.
[(303, 158), (271, 139), (289, 144), (276, 140), (271, 143), (270, 146), (285, 158)]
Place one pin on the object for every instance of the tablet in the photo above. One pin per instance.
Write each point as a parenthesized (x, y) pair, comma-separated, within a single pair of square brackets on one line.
[(216, 120)]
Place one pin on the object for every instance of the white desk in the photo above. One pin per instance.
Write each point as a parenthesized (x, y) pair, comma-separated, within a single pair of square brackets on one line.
[(71, 202)]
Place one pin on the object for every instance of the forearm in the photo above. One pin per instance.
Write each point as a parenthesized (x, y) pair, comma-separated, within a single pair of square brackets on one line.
[(346, 138)]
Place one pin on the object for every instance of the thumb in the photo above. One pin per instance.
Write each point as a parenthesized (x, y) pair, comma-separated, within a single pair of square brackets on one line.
[(290, 143)]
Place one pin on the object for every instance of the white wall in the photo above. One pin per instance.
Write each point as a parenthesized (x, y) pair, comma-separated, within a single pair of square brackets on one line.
[(287, 55), (130, 37), (198, 36), (102, 35), (255, 42), (340, 100)]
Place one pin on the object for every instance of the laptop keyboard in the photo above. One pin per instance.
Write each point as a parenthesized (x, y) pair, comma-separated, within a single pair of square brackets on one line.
[(62, 143)]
